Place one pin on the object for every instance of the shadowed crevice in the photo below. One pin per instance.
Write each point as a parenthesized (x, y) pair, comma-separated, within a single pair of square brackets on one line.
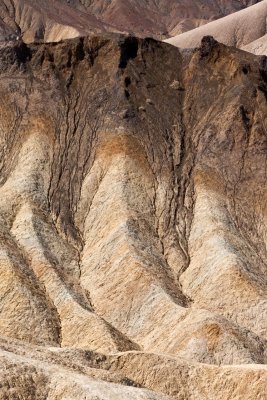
[(129, 49)]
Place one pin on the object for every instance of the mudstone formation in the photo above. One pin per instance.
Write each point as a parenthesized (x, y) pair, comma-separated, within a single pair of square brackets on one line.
[(132, 221)]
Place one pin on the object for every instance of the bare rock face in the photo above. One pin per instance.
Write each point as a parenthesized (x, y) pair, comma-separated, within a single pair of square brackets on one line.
[(133, 220)]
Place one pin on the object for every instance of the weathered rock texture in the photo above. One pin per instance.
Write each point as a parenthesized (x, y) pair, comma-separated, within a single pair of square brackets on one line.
[(133, 220), (53, 20), (245, 29)]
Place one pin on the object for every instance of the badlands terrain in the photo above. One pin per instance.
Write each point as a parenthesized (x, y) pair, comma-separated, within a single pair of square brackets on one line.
[(133, 220)]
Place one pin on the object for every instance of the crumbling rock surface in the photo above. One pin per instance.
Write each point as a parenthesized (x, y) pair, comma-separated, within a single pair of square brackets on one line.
[(133, 220)]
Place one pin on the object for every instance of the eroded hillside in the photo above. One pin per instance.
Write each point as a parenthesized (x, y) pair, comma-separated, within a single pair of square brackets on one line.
[(133, 220)]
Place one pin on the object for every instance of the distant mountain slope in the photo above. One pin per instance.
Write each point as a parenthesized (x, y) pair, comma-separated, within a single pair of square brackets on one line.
[(156, 17), (53, 20), (50, 20), (245, 29)]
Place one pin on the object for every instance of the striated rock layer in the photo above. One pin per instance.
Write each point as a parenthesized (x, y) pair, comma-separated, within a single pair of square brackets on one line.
[(133, 220)]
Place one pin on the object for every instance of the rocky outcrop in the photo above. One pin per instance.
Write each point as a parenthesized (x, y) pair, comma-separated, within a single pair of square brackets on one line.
[(133, 219)]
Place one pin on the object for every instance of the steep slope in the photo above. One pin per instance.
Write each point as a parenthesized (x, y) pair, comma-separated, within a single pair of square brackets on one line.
[(245, 29), (133, 214), (53, 20)]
